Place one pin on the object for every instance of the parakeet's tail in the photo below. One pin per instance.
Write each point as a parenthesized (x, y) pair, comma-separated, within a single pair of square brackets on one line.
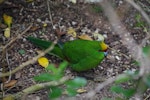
[(45, 44)]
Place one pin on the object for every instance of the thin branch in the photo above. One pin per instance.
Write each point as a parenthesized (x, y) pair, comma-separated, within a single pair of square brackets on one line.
[(119, 52), (49, 12), (40, 86), (31, 61), (99, 87), (37, 87), (18, 36), (135, 49)]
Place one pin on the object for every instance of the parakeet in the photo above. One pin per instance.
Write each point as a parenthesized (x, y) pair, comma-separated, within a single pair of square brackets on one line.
[(82, 55)]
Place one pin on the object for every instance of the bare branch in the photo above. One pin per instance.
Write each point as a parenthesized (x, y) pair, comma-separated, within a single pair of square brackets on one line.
[(31, 61)]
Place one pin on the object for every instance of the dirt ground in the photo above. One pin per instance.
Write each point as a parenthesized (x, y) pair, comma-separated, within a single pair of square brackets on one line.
[(83, 17)]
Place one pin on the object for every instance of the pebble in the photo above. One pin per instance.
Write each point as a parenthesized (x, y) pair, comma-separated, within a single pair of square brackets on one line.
[(110, 70), (117, 57), (120, 2), (39, 20), (74, 23), (105, 36)]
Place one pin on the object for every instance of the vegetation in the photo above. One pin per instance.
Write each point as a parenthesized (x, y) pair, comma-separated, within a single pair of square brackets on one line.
[(128, 85)]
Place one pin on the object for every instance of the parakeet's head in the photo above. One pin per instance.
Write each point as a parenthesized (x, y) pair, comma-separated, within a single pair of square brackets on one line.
[(103, 46)]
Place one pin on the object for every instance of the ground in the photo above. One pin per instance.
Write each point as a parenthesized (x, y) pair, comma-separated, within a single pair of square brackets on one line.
[(86, 19)]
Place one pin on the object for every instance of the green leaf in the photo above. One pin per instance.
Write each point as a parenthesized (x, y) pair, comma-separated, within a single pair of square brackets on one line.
[(52, 68), (129, 92), (43, 77), (117, 89), (62, 67), (123, 78), (146, 50), (97, 8), (59, 70), (147, 80), (136, 63), (138, 17), (126, 92), (71, 91), (76, 82), (55, 92), (21, 51)]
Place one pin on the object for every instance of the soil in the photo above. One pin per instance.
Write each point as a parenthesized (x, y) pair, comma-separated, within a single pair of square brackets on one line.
[(83, 17)]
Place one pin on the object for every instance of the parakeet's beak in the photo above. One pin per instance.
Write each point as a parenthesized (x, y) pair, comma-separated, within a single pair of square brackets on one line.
[(104, 46)]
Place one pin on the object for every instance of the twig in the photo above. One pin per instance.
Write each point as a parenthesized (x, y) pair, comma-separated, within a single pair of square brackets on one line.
[(39, 86), (18, 36), (147, 97), (7, 60), (31, 61), (119, 53), (135, 50), (49, 12), (99, 87)]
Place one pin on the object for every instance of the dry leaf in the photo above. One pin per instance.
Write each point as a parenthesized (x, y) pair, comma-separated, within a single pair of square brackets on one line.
[(72, 32), (85, 37), (7, 20), (81, 90), (9, 97), (7, 32), (10, 83), (43, 62), (44, 24)]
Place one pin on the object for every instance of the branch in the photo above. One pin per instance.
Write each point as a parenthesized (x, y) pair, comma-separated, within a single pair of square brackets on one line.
[(37, 87), (31, 61), (135, 49), (18, 36)]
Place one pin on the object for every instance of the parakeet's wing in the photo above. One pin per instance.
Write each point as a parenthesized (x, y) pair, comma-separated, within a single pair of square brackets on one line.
[(76, 50), (89, 62)]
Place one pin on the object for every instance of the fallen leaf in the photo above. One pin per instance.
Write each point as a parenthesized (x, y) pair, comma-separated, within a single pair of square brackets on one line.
[(10, 83), (7, 20), (72, 32), (98, 36), (44, 24), (9, 97), (81, 90), (43, 62), (1, 1), (85, 37), (7, 32)]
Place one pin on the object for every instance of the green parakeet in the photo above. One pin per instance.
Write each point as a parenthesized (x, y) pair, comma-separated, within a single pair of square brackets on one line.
[(82, 55)]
